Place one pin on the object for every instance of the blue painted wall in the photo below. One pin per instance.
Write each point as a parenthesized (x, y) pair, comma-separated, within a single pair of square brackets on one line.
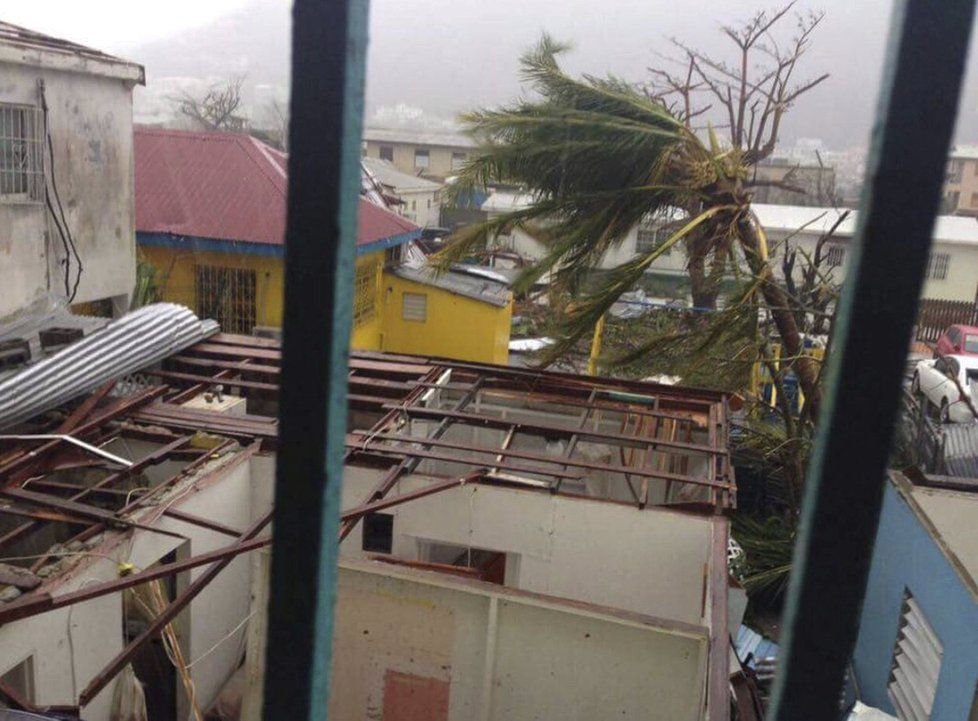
[(907, 557)]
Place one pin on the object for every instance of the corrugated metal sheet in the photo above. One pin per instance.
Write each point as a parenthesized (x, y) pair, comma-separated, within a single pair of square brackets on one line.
[(124, 346), (960, 449), (226, 186)]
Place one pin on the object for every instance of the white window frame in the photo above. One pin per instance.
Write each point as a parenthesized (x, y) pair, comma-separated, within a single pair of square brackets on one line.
[(21, 153), (422, 158)]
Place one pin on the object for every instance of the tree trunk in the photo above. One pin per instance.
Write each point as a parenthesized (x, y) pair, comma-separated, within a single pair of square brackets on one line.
[(703, 287), (784, 320)]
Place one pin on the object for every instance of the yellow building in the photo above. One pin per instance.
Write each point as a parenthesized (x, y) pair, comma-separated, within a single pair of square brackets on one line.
[(210, 221)]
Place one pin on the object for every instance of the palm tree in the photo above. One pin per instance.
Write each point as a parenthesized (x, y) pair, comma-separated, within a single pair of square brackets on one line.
[(598, 156)]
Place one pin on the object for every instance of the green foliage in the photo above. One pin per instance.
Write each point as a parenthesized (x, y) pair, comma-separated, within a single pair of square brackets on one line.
[(768, 542)]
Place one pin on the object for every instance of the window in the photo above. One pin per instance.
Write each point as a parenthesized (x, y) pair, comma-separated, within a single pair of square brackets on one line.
[(971, 344), (649, 238), (21, 154), (937, 266), (228, 296), (916, 664), (20, 679), (951, 201), (836, 256), (974, 200), (429, 203), (421, 158), (387, 153), (414, 205), (954, 171), (458, 160), (364, 294), (414, 307), (378, 532)]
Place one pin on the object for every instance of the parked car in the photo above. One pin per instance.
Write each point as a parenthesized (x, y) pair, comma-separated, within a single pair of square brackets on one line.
[(958, 340), (949, 383)]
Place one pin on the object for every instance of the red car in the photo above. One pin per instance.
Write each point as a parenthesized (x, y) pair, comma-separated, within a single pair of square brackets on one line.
[(958, 340)]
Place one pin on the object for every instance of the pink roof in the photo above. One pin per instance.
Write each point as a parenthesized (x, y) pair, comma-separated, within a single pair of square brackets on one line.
[(226, 186)]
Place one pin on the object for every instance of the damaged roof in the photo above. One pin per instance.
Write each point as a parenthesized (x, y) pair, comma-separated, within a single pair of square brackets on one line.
[(28, 47)]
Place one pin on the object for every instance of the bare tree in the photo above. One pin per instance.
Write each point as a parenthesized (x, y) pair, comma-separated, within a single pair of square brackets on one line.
[(747, 98), (217, 108)]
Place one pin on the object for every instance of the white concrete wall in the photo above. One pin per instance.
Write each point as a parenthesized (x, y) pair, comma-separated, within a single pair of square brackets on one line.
[(90, 121), (498, 654), (421, 207), (648, 561), (65, 663)]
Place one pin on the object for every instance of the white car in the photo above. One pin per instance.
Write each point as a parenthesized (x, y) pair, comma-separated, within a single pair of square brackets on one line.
[(949, 383)]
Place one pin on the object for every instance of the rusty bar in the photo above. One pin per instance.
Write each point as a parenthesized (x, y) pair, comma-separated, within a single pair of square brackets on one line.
[(409, 464), (79, 509), (34, 604), (355, 514), (28, 457), (202, 522), (718, 674), (545, 429), (368, 443), (82, 411), (13, 699), (194, 390), (168, 614), (410, 453)]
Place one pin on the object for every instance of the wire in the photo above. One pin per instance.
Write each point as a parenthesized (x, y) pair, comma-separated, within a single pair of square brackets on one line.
[(63, 230), (229, 634)]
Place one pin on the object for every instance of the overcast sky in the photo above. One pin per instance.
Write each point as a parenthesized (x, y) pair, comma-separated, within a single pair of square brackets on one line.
[(448, 55)]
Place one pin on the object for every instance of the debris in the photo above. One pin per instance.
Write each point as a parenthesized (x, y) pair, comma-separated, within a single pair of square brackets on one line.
[(18, 577)]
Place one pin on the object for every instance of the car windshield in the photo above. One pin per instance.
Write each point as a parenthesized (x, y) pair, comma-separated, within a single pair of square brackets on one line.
[(971, 344)]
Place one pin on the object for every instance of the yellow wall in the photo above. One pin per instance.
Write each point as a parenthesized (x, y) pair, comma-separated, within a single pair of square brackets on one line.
[(175, 277), (456, 327)]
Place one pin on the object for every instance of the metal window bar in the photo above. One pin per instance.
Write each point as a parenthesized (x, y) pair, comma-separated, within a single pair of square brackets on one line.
[(846, 475), (364, 294), (21, 153), (228, 295)]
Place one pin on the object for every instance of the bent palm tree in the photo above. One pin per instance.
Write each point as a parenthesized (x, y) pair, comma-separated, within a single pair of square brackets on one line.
[(597, 157)]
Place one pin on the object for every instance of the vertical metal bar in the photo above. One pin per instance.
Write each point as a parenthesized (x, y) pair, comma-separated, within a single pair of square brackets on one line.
[(918, 102), (326, 109)]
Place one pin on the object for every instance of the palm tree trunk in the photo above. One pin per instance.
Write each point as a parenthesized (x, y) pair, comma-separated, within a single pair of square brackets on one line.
[(703, 288), (784, 319)]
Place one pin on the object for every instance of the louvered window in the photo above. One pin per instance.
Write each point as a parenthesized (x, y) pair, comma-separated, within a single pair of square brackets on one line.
[(415, 307), (916, 664)]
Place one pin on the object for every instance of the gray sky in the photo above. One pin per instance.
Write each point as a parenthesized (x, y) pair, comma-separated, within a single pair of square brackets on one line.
[(448, 55)]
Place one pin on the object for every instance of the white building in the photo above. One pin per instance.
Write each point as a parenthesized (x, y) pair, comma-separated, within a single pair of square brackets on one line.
[(952, 272), (517, 544), (80, 100), (418, 199)]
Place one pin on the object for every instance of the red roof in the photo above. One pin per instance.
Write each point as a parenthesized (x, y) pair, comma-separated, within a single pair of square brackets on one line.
[(226, 186)]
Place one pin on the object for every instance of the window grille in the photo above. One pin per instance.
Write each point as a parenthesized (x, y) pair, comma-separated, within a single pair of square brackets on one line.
[(937, 266), (228, 296), (364, 294), (21, 154), (836, 256), (916, 664)]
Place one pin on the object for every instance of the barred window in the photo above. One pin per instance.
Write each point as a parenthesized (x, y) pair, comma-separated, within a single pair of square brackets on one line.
[(364, 294), (228, 296), (21, 156), (836, 256), (937, 266)]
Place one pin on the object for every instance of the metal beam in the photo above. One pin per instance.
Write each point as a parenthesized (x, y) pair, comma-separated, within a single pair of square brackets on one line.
[(169, 613), (844, 488), (328, 62)]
